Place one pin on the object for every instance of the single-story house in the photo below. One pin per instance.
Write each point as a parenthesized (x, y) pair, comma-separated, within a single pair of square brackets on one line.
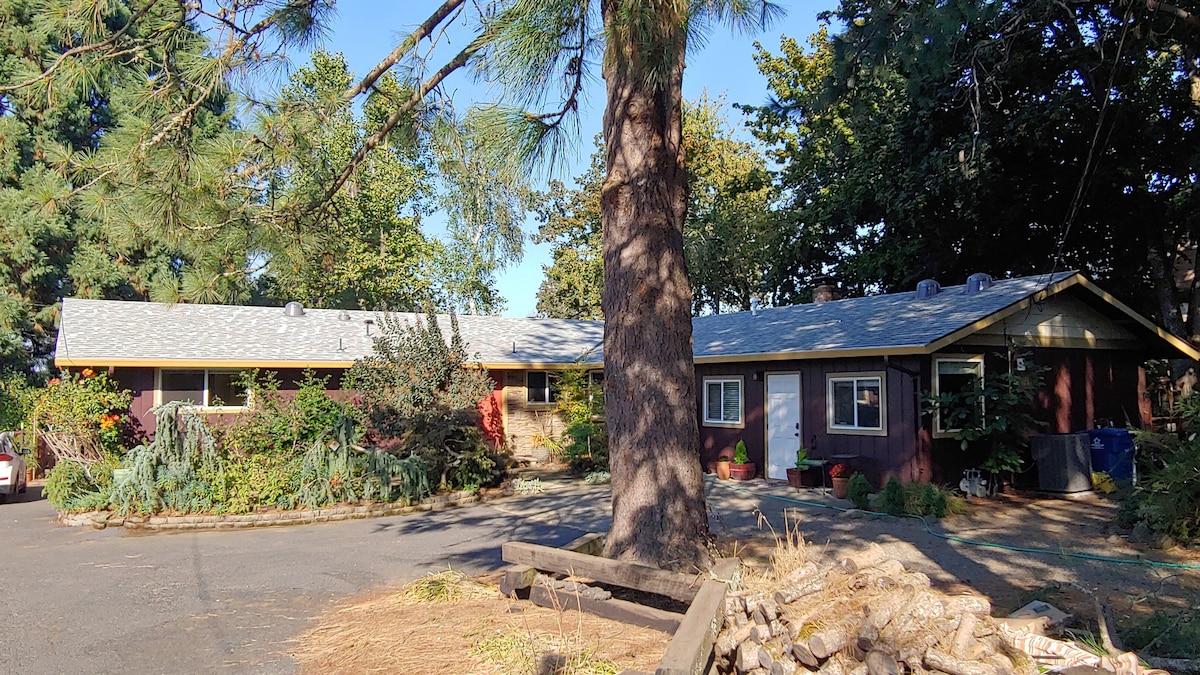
[(191, 352), (842, 377), (847, 377)]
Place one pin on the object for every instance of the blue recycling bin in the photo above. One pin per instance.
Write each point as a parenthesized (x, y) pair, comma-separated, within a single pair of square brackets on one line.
[(1112, 452)]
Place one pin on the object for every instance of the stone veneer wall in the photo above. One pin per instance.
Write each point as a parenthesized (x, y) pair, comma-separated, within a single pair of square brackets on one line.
[(525, 423)]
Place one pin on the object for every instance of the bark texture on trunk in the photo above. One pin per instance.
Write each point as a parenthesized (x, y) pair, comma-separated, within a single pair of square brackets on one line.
[(659, 516)]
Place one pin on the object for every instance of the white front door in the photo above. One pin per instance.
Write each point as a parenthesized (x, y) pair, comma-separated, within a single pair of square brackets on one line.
[(783, 423)]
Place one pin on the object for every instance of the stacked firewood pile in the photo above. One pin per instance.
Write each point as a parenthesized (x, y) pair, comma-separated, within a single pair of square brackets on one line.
[(864, 614)]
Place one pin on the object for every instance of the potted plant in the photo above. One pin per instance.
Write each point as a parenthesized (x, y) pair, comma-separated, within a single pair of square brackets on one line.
[(741, 468), (723, 467), (793, 474), (839, 476)]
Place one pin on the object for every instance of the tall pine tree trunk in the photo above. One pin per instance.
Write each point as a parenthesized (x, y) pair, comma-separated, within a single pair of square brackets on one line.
[(659, 516)]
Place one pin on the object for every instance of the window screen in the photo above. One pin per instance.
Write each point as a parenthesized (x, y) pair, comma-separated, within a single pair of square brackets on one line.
[(183, 385)]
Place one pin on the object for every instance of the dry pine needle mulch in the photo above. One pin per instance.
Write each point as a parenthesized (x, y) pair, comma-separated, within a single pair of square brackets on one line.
[(445, 623)]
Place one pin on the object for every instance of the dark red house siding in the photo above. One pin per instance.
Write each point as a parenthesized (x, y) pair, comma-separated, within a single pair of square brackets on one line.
[(879, 457)]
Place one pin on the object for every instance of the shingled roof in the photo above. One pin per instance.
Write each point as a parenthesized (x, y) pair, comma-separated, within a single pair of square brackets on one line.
[(114, 333), (897, 323)]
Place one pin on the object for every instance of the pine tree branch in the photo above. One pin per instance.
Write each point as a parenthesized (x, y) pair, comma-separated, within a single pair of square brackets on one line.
[(392, 121), (409, 43), (82, 49)]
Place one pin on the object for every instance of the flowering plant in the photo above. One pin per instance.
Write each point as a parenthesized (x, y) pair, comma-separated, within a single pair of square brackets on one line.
[(840, 470)]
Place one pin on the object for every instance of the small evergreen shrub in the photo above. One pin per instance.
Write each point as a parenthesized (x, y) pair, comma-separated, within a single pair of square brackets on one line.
[(584, 443), (740, 456), (893, 499), (859, 491)]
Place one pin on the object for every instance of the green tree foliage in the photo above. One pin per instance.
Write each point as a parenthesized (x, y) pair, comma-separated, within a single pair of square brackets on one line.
[(994, 421), (52, 243), (1167, 497), (570, 222), (538, 55), (365, 250), (940, 139), (729, 234)]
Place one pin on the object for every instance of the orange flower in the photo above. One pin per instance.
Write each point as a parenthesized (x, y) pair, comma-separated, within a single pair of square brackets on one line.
[(53, 381), (107, 423), (88, 372)]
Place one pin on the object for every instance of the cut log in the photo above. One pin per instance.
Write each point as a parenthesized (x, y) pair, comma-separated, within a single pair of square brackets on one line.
[(955, 666), (967, 604), (808, 569), (881, 576), (604, 570), (765, 660), (833, 638), (790, 594), (832, 667), (868, 558), (783, 667), (803, 654), (964, 635), (880, 663), (747, 657), (881, 611)]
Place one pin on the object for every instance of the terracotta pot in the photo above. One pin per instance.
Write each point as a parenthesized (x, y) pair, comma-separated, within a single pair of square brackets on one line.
[(841, 486), (723, 470), (28, 474), (794, 478), (741, 471)]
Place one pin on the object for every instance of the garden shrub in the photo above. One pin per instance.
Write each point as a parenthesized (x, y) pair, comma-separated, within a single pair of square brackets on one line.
[(88, 406), (1167, 498), (859, 491), (995, 420), (275, 423), (247, 482), (914, 499), (584, 443), (893, 499), (419, 398), (178, 471), (71, 486)]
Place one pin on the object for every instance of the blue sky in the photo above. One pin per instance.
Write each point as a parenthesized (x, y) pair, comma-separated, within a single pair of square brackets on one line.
[(366, 30)]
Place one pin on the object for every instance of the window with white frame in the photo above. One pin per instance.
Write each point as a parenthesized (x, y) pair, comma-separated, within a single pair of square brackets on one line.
[(541, 386), (202, 387), (723, 401), (856, 403), (955, 375)]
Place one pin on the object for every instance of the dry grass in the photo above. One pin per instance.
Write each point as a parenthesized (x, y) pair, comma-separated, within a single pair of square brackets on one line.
[(446, 623)]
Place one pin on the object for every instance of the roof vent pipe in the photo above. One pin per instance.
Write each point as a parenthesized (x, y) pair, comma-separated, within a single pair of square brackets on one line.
[(293, 308), (977, 283), (927, 288), (343, 315)]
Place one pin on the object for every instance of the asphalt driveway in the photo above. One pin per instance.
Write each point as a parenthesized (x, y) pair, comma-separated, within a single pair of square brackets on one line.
[(78, 600)]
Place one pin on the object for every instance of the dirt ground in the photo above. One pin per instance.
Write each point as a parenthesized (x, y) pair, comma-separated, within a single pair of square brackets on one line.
[(484, 634)]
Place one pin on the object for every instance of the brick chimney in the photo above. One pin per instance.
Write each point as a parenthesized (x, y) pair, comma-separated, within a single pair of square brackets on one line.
[(826, 290)]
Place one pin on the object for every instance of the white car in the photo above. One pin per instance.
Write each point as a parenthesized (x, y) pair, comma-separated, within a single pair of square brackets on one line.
[(12, 468)]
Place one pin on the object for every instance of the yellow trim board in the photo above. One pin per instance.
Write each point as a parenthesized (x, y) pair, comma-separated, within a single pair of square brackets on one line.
[(245, 363), (815, 354)]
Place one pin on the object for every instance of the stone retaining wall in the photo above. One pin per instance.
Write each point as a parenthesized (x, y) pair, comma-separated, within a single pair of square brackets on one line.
[(103, 519)]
